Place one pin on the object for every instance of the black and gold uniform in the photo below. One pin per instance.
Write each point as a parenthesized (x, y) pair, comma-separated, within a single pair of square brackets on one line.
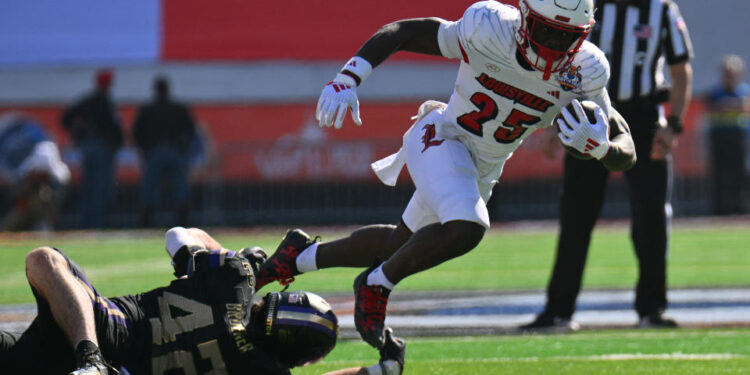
[(202, 324)]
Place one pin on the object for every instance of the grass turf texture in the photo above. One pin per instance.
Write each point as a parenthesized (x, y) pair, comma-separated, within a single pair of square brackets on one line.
[(707, 351), (129, 262)]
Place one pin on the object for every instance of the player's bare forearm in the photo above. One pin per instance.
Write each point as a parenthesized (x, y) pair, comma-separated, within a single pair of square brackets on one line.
[(679, 96), (621, 155), (208, 242), (181, 243), (418, 35)]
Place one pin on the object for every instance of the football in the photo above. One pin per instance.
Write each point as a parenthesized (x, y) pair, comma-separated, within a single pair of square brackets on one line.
[(588, 108)]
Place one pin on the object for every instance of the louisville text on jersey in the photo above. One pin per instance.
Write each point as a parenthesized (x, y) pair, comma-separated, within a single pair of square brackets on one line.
[(513, 93)]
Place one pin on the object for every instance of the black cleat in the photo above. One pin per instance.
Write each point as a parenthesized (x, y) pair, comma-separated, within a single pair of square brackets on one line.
[(546, 323), (282, 265), (89, 360), (657, 320), (370, 303)]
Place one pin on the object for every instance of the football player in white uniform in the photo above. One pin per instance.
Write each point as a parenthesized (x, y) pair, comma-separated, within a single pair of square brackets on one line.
[(518, 68)]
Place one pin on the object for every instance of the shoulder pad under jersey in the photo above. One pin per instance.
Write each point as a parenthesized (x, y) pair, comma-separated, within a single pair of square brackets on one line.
[(488, 28), (594, 67)]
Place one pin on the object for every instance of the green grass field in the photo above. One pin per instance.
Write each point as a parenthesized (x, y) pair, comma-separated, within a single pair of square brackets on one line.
[(128, 262), (718, 351)]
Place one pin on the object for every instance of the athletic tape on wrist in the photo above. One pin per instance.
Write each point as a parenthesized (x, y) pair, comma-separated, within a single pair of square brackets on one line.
[(357, 68), (390, 367), (375, 369), (387, 367)]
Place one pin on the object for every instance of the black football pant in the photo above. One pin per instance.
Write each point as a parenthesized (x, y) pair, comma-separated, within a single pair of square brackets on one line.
[(41, 349), (7, 342), (584, 183), (729, 173)]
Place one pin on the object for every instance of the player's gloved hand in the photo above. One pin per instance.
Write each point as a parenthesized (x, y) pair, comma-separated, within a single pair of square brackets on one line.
[(255, 255), (197, 260), (182, 257), (392, 354), (335, 100), (341, 94), (586, 137)]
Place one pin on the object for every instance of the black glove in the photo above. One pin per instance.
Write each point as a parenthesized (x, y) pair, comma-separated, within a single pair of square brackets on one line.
[(182, 257), (197, 260), (256, 255), (394, 349)]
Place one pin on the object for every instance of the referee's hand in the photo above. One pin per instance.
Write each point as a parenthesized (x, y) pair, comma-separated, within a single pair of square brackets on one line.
[(665, 141)]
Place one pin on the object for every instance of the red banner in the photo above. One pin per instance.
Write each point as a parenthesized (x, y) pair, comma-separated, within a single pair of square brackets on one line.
[(284, 143), (293, 29)]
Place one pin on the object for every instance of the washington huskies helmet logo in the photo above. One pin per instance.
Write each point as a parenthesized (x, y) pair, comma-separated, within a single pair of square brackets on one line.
[(570, 78), (429, 135)]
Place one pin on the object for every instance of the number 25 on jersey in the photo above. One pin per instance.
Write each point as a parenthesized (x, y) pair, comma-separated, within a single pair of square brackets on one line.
[(512, 128)]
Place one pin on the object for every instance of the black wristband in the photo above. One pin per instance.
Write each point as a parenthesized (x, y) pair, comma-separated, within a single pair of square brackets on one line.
[(674, 123), (351, 74)]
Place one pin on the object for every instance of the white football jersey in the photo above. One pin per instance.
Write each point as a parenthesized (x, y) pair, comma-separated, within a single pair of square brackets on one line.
[(496, 102)]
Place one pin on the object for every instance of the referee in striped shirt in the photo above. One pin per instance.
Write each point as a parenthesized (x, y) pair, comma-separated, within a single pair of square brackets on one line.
[(639, 37)]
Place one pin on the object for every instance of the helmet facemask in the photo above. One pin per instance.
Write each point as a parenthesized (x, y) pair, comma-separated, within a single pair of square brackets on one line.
[(549, 45)]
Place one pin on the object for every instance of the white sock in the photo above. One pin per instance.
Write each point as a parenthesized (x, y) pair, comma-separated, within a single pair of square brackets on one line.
[(377, 277), (306, 259)]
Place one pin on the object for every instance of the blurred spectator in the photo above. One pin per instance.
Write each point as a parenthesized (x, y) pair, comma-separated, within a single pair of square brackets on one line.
[(728, 109), (164, 131), (202, 158), (95, 128), (32, 175)]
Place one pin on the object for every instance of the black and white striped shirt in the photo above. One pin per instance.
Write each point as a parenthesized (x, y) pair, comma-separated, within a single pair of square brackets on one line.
[(638, 37)]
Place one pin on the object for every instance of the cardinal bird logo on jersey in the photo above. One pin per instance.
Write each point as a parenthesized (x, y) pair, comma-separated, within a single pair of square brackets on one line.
[(429, 137), (570, 79)]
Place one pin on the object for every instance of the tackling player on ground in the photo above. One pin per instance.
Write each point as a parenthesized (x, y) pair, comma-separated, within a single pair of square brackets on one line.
[(202, 323), (518, 68)]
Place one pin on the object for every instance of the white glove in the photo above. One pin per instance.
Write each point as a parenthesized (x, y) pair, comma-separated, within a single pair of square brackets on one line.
[(335, 100), (587, 138)]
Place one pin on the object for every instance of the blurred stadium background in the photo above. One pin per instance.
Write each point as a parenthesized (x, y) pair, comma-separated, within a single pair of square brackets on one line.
[(253, 72)]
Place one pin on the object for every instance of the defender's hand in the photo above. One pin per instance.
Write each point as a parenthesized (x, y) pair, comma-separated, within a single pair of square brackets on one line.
[(255, 255), (392, 354), (334, 102), (586, 137), (182, 257), (197, 260)]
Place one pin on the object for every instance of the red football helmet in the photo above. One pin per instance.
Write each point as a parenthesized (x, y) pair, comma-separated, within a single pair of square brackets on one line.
[(552, 31)]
